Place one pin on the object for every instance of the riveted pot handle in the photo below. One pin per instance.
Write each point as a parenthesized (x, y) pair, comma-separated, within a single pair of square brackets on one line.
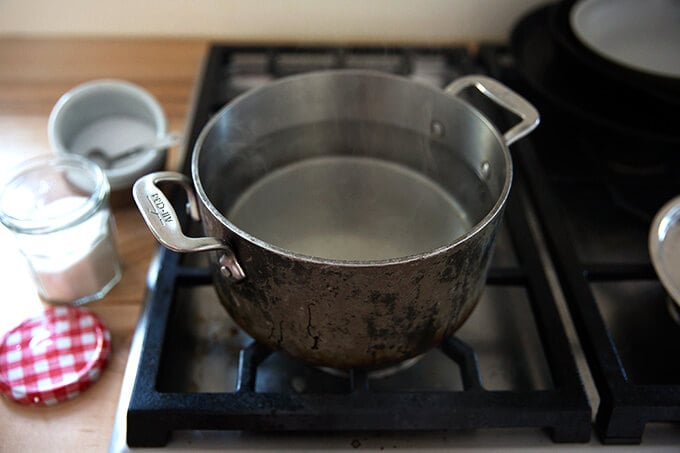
[(504, 97), (163, 222)]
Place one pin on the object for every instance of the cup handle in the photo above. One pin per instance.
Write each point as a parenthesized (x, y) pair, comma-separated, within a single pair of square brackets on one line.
[(164, 224), (504, 97)]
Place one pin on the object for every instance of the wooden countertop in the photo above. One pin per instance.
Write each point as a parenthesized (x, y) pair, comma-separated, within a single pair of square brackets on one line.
[(34, 73)]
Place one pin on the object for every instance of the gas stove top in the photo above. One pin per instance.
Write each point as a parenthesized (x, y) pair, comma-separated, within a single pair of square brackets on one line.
[(570, 274)]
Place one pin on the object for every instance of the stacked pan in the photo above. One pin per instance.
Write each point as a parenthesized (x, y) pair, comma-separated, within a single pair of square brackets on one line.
[(608, 71), (611, 69)]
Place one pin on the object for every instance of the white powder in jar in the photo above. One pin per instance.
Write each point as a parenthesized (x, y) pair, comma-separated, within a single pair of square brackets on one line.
[(75, 264)]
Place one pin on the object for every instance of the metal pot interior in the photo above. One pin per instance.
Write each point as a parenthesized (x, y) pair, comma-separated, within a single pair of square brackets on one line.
[(351, 166)]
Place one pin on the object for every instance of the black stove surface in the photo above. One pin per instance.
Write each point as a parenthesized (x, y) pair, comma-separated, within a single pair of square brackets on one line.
[(595, 198), (511, 365)]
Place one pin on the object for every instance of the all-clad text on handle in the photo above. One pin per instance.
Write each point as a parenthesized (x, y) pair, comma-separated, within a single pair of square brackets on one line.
[(163, 222)]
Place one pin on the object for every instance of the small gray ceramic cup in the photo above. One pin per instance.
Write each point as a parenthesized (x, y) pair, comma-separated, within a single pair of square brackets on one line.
[(112, 115)]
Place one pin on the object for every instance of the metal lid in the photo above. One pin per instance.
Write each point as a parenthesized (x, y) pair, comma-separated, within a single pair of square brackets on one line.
[(53, 357), (664, 247)]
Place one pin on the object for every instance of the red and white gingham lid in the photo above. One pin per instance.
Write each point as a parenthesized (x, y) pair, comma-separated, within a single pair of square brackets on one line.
[(53, 357)]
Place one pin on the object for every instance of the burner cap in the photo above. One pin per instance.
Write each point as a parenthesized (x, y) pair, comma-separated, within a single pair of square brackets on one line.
[(53, 357)]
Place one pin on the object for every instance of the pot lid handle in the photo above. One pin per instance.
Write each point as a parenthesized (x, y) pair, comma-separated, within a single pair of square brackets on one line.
[(163, 222), (503, 96)]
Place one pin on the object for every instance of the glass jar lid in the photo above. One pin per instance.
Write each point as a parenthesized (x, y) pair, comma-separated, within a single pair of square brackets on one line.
[(53, 357)]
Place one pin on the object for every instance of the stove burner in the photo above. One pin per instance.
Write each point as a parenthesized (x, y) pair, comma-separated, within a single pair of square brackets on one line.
[(378, 373)]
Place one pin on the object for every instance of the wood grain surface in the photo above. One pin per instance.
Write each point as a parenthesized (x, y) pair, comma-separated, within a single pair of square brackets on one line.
[(34, 73)]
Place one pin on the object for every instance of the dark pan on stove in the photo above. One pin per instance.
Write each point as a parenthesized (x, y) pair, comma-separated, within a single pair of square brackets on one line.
[(630, 124), (637, 72)]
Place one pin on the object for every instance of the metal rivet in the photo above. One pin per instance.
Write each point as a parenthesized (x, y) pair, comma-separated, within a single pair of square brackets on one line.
[(437, 128), (225, 271), (486, 169), (230, 268)]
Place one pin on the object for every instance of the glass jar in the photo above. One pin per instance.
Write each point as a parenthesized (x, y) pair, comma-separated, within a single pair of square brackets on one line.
[(58, 210)]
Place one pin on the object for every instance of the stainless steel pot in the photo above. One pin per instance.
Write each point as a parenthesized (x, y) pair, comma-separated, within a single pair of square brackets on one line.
[(351, 215)]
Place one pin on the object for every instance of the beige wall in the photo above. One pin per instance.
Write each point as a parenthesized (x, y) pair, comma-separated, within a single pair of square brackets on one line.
[(418, 21)]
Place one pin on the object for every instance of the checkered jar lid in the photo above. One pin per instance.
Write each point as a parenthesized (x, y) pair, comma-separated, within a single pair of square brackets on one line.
[(53, 357)]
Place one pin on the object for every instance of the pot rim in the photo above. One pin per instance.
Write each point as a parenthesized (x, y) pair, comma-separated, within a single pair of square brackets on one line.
[(473, 231)]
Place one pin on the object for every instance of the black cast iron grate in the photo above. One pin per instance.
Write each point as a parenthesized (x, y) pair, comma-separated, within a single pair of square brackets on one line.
[(154, 414), (615, 299)]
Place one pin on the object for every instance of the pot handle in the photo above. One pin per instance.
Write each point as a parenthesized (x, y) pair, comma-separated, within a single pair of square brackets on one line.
[(163, 222), (504, 97)]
